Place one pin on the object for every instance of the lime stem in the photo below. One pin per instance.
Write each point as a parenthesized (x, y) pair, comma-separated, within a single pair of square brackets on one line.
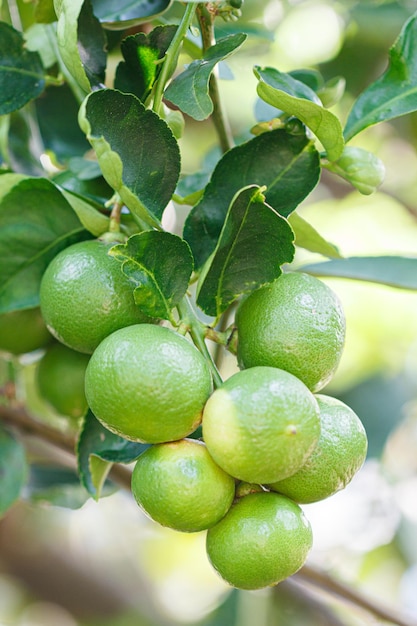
[(171, 55), (197, 332)]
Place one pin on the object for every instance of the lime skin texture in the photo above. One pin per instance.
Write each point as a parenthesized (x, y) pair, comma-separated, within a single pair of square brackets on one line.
[(338, 456), (261, 422), (60, 377), (263, 539), (297, 324), (85, 296), (179, 486), (23, 331), (147, 383)]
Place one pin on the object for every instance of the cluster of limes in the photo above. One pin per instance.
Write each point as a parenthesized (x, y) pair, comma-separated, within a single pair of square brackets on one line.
[(269, 443)]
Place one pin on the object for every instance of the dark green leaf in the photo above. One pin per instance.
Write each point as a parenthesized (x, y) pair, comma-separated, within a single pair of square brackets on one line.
[(92, 45), (396, 271), (97, 450), (254, 242), (307, 237), (295, 98), (160, 265), (288, 165), (121, 14), (36, 222), (137, 152), (139, 70), (95, 222), (13, 470), (395, 92), (55, 485), (189, 91), (22, 77)]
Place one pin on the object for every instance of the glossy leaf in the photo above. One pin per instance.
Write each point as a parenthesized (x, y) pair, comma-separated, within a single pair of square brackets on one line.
[(307, 237), (160, 265), (254, 242), (139, 70), (13, 470), (295, 98), (396, 271), (92, 220), (36, 222), (394, 93), (22, 76), (81, 42), (121, 14), (189, 91), (97, 450), (288, 165), (136, 150)]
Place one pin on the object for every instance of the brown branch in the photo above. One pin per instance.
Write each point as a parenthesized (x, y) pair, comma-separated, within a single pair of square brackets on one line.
[(19, 419)]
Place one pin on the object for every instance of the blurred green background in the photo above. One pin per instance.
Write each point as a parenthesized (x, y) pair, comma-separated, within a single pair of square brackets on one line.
[(105, 563)]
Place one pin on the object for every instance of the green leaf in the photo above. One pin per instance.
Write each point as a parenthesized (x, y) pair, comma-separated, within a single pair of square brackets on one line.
[(36, 222), (97, 450), (288, 165), (361, 168), (160, 265), (139, 70), (396, 271), (56, 486), (93, 221), (307, 237), (81, 42), (121, 14), (296, 98), (254, 242), (394, 93), (13, 470), (44, 11), (189, 91), (136, 150), (22, 76)]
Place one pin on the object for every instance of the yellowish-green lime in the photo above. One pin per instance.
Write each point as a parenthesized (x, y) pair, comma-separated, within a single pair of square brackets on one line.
[(295, 323), (263, 539), (261, 422), (339, 454), (60, 377), (147, 383), (180, 486), (23, 331), (85, 296)]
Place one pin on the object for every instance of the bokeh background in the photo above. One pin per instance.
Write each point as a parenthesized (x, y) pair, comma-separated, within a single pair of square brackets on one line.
[(104, 563)]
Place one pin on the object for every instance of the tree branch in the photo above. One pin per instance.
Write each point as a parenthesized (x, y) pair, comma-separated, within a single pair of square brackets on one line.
[(20, 420)]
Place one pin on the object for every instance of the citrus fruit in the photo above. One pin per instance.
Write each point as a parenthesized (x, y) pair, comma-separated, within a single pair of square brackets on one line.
[(295, 323), (23, 331), (261, 422), (339, 454), (85, 296), (180, 486), (147, 383), (60, 378), (263, 539)]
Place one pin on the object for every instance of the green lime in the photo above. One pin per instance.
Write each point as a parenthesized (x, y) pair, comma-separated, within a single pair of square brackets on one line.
[(180, 486), (263, 539), (295, 323), (261, 422), (85, 296), (147, 383), (60, 377), (23, 331), (339, 454)]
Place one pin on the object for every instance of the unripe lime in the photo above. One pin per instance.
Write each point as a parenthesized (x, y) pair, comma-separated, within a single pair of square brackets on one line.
[(263, 539), (147, 383), (85, 296), (339, 454), (295, 323), (180, 486), (23, 331), (60, 377), (261, 422)]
